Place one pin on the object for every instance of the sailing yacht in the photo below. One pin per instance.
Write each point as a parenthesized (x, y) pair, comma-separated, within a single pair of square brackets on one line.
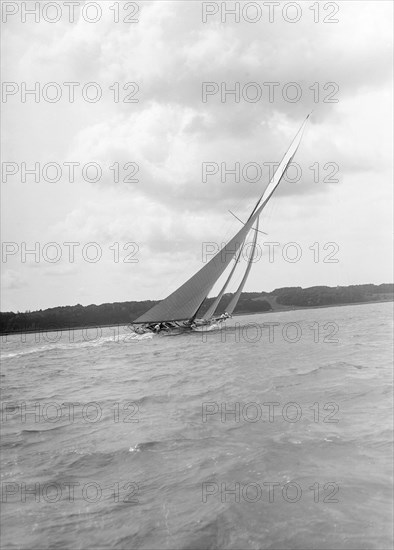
[(179, 312)]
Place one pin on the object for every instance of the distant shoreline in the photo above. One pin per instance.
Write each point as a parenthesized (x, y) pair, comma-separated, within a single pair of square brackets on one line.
[(297, 308), (238, 314)]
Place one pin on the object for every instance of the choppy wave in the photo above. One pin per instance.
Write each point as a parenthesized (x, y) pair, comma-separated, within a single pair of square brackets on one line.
[(73, 346), (176, 413)]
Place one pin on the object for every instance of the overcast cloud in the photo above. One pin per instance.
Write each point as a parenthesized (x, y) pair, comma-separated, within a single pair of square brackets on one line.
[(169, 212)]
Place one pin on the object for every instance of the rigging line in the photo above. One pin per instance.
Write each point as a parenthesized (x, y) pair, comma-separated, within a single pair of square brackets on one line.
[(243, 223), (234, 301), (211, 310)]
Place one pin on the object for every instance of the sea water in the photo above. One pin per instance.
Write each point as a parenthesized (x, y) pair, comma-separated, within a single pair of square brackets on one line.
[(274, 433)]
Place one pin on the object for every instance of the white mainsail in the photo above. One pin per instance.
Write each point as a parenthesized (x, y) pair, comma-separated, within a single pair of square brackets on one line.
[(184, 302)]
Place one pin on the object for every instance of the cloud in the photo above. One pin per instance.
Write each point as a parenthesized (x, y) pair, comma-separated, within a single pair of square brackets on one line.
[(12, 280), (55, 270), (170, 133)]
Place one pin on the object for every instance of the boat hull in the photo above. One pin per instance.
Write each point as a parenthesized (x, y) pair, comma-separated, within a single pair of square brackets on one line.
[(199, 325), (208, 328)]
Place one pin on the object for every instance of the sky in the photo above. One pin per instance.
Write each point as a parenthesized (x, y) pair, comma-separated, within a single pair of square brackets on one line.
[(133, 170)]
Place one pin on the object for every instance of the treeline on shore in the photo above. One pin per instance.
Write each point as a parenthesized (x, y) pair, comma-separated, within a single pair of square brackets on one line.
[(64, 317)]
